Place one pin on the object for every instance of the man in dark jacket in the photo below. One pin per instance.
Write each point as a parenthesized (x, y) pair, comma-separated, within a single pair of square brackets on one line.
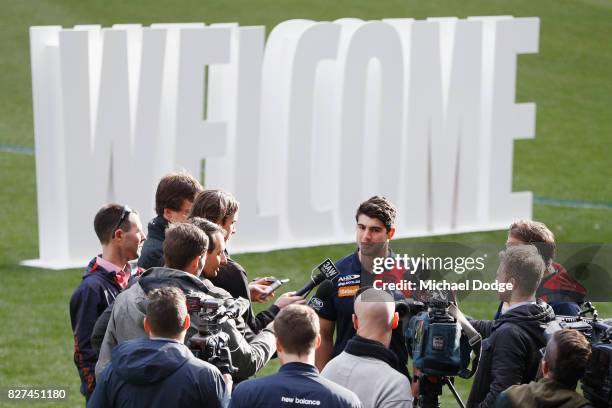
[(510, 349), (564, 363), (160, 371), (221, 207), (297, 383), (119, 230), (173, 200)]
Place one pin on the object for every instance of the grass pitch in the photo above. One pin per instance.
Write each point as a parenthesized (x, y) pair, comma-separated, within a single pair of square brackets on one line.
[(569, 80)]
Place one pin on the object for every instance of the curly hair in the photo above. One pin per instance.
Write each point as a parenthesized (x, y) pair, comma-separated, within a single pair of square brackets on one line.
[(380, 208)]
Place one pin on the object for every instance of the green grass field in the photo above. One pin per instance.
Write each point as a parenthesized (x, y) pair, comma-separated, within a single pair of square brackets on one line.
[(570, 80)]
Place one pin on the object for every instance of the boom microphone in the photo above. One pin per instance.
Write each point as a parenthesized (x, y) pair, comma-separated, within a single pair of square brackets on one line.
[(327, 271)]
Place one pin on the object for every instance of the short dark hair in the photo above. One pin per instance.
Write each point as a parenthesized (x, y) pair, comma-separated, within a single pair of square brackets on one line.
[(525, 264), (567, 355), (182, 244), (175, 188), (214, 205), (107, 219), (380, 208), (166, 311), (297, 327), (535, 233), (209, 228)]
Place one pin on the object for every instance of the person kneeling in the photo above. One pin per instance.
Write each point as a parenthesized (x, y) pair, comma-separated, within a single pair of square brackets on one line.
[(160, 371)]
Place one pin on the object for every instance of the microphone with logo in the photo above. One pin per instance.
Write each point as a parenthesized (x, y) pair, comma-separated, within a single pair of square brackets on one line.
[(327, 271)]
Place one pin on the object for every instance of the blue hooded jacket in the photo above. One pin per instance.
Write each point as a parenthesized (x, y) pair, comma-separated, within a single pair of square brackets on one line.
[(97, 290), (158, 373)]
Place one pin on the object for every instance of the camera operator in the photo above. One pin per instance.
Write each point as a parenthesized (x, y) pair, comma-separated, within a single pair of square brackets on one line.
[(119, 230), (368, 352), (173, 200), (375, 226), (221, 208), (563, 364), (160, 371), (185, 253), (510, 349), (297, 382)]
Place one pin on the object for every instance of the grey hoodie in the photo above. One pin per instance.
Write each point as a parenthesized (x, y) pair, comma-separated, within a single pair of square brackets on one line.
[(126, 320)]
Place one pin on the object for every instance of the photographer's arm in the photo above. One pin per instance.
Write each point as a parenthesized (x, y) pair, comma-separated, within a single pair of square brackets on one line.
[(483, 327), (249, 357), (324, 353)]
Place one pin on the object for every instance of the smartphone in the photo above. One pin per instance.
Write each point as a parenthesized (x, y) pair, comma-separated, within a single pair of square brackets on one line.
[(276, 283)]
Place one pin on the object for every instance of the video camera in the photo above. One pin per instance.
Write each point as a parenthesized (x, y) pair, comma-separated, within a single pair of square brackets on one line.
[(597, 380), (441, 345), (210, 343)]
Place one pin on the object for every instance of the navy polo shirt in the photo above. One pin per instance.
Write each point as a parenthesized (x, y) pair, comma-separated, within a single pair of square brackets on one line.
[(340, 306), (295, 385)]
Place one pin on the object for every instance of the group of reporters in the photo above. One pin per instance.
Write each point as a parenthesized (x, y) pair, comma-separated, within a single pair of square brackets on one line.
[(130, 323)]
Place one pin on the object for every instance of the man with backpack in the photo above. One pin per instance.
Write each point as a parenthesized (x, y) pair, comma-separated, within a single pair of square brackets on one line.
[(510, 349)]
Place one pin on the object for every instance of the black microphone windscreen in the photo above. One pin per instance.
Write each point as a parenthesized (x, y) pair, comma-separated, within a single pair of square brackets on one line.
[(325, 291)]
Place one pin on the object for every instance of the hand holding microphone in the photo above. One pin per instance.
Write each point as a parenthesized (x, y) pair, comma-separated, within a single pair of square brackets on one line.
[(327, 272), (289, 298)]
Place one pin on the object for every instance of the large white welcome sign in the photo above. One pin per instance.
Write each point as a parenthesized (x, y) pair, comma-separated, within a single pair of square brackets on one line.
[(300, 128)]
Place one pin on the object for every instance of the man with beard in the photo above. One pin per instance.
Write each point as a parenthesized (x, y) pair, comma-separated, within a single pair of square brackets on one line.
[(375, 227)]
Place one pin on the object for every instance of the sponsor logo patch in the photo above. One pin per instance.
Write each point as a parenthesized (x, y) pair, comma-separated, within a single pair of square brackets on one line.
[(347, 283), (347, 291), (315, 303)]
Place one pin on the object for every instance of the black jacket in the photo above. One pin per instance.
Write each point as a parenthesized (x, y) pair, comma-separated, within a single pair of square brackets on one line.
[(152, 254), (233, 278), (158, 373), (510, 351)]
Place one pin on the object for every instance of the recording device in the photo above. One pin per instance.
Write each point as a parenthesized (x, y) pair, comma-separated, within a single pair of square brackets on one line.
[(441, 345), (327, 270), (276, 283), (597, 380), (210, 343)]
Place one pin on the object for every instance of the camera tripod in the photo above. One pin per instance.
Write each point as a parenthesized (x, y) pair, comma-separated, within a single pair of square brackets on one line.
[(430, 389)]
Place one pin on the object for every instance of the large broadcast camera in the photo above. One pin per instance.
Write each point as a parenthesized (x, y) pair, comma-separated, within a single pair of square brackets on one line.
[(597, 380), (440, 344), (210, 343)]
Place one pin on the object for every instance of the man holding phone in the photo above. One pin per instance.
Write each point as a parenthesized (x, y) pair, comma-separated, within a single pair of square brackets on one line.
[(221, 208)]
